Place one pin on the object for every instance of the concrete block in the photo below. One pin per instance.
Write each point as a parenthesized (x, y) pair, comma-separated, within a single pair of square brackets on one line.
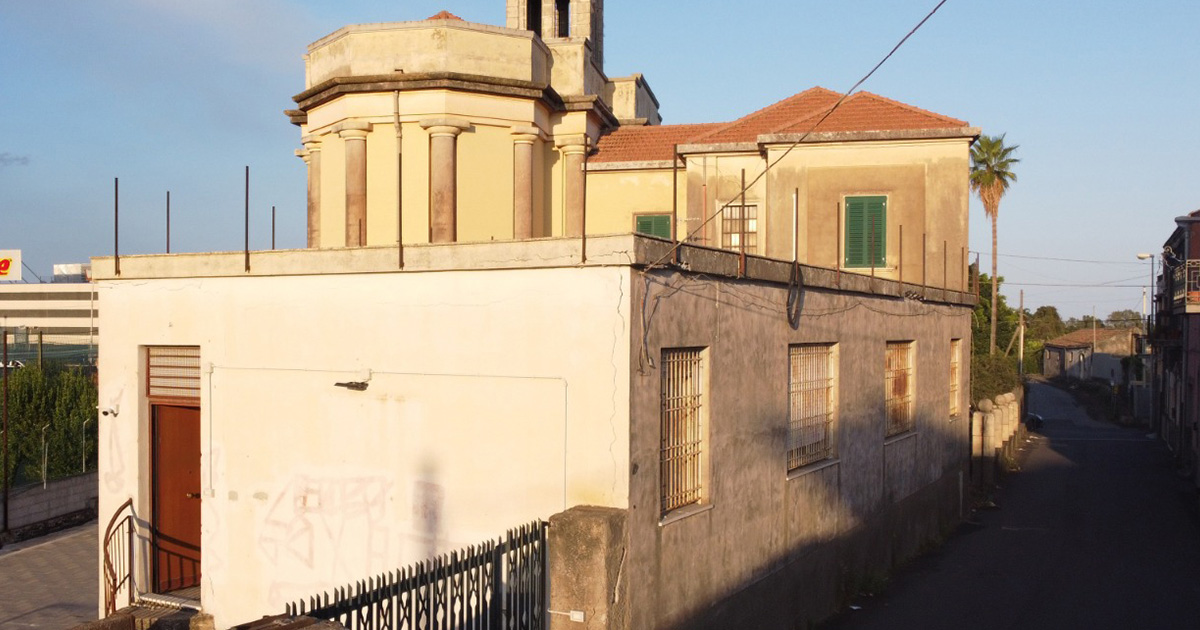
[(587, 547)]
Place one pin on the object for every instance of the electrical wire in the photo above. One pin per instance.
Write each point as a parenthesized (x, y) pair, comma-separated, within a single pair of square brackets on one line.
[(1073, 260)]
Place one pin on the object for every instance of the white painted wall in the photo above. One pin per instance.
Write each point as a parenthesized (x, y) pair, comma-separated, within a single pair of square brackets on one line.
[(495, 397)]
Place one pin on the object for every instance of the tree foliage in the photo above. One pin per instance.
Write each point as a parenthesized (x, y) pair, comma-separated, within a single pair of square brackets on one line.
[(53, 401), (1127, 318)]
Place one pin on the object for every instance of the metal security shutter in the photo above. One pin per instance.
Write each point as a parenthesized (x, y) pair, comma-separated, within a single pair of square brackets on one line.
[(654, 224), (173, 373), (866, 231)]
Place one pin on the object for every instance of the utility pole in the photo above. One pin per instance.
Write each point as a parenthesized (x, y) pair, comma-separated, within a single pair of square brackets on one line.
[(1021, 334), (4, 356)]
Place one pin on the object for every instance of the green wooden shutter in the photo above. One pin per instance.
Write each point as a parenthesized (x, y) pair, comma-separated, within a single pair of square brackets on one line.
[(866, 231), (654, 225)]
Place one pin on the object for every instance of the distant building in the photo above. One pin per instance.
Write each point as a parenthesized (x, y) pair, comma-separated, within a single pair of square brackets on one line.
[(757, 394), (1087, 354), (63, 315)]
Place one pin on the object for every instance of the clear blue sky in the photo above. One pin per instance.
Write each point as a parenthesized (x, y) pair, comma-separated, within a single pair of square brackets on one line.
[(171, 95)]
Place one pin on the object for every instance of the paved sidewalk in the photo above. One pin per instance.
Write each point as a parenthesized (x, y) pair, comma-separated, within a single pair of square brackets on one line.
[(1096, 531), (50, 582)]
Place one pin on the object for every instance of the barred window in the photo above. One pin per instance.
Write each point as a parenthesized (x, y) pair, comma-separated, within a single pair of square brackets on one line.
[(812, 395), (898, 374), (739, 227), (682, 435), (955, 377)]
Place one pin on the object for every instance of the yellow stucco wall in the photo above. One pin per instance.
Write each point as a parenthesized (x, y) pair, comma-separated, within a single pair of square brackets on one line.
[(614, 198), (485, 184)]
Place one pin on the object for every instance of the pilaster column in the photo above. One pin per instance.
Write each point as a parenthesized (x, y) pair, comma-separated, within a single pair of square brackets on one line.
[(355, 135), (443, 177), (523, 139), (311, 154), (572, 149)]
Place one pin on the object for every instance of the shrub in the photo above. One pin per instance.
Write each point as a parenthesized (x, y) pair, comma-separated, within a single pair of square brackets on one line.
[(992, 376)]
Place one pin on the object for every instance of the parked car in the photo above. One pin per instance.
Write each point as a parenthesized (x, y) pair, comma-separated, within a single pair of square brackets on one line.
[(1033, 421)]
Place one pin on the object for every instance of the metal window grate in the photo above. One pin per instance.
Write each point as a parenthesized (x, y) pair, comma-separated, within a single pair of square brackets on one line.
[(899, 386), (739, 226), (682, 431), (955, 376), (173, 372), (811, 383)]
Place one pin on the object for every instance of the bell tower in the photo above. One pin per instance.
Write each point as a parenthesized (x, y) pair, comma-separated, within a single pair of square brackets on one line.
[(561, 20)]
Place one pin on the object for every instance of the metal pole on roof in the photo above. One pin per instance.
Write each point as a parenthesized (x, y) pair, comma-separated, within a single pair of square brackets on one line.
[(742, 230), (117, 226), (168, 222), (675, 200), (246, 248)]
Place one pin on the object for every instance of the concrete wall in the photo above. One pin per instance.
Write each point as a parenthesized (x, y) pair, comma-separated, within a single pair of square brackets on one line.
[(494, 397), (803, 536), (33, 504)]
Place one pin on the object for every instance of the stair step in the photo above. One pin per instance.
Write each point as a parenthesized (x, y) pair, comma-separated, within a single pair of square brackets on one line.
[(164, 600), (148, 617)]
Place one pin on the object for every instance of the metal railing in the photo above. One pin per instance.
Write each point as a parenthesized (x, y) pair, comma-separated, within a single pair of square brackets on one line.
[(1186, 280), (497, 585), (118, 557)]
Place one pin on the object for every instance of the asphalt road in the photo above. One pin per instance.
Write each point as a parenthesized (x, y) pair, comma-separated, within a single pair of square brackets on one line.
[(1096, 531)]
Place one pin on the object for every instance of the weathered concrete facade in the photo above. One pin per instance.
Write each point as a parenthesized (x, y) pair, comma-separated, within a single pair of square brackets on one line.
[(772, 548)]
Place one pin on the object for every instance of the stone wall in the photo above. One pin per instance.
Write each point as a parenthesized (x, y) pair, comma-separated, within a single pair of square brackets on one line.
[(33, 504)]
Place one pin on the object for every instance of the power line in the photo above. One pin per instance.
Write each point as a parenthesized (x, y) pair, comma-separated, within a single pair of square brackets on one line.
[(1073, 260), (1075, 286)]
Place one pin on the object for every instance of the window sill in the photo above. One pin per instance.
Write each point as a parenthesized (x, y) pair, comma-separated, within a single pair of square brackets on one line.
[(900, 437), (812, 468), (868, 269), (684, 512)]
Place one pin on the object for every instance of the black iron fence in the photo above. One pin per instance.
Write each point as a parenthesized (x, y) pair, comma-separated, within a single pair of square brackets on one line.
[(498, 585)]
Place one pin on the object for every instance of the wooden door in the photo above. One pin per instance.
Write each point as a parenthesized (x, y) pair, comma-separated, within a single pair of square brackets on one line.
[(176, 494)]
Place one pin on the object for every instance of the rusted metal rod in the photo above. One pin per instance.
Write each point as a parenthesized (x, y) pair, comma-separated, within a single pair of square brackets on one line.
[(117, 226), (246, 248)]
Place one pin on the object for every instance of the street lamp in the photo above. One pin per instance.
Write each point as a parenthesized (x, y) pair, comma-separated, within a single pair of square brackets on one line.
[(1152, 300), (1150, 340)]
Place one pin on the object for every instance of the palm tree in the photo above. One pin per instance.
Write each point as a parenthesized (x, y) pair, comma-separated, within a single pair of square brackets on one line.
[(991, 173)]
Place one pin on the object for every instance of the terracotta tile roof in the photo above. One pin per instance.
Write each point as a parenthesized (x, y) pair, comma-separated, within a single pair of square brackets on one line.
[(444, 15), (647, 143), (774, 117), (1083, 338), (863, 111)]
